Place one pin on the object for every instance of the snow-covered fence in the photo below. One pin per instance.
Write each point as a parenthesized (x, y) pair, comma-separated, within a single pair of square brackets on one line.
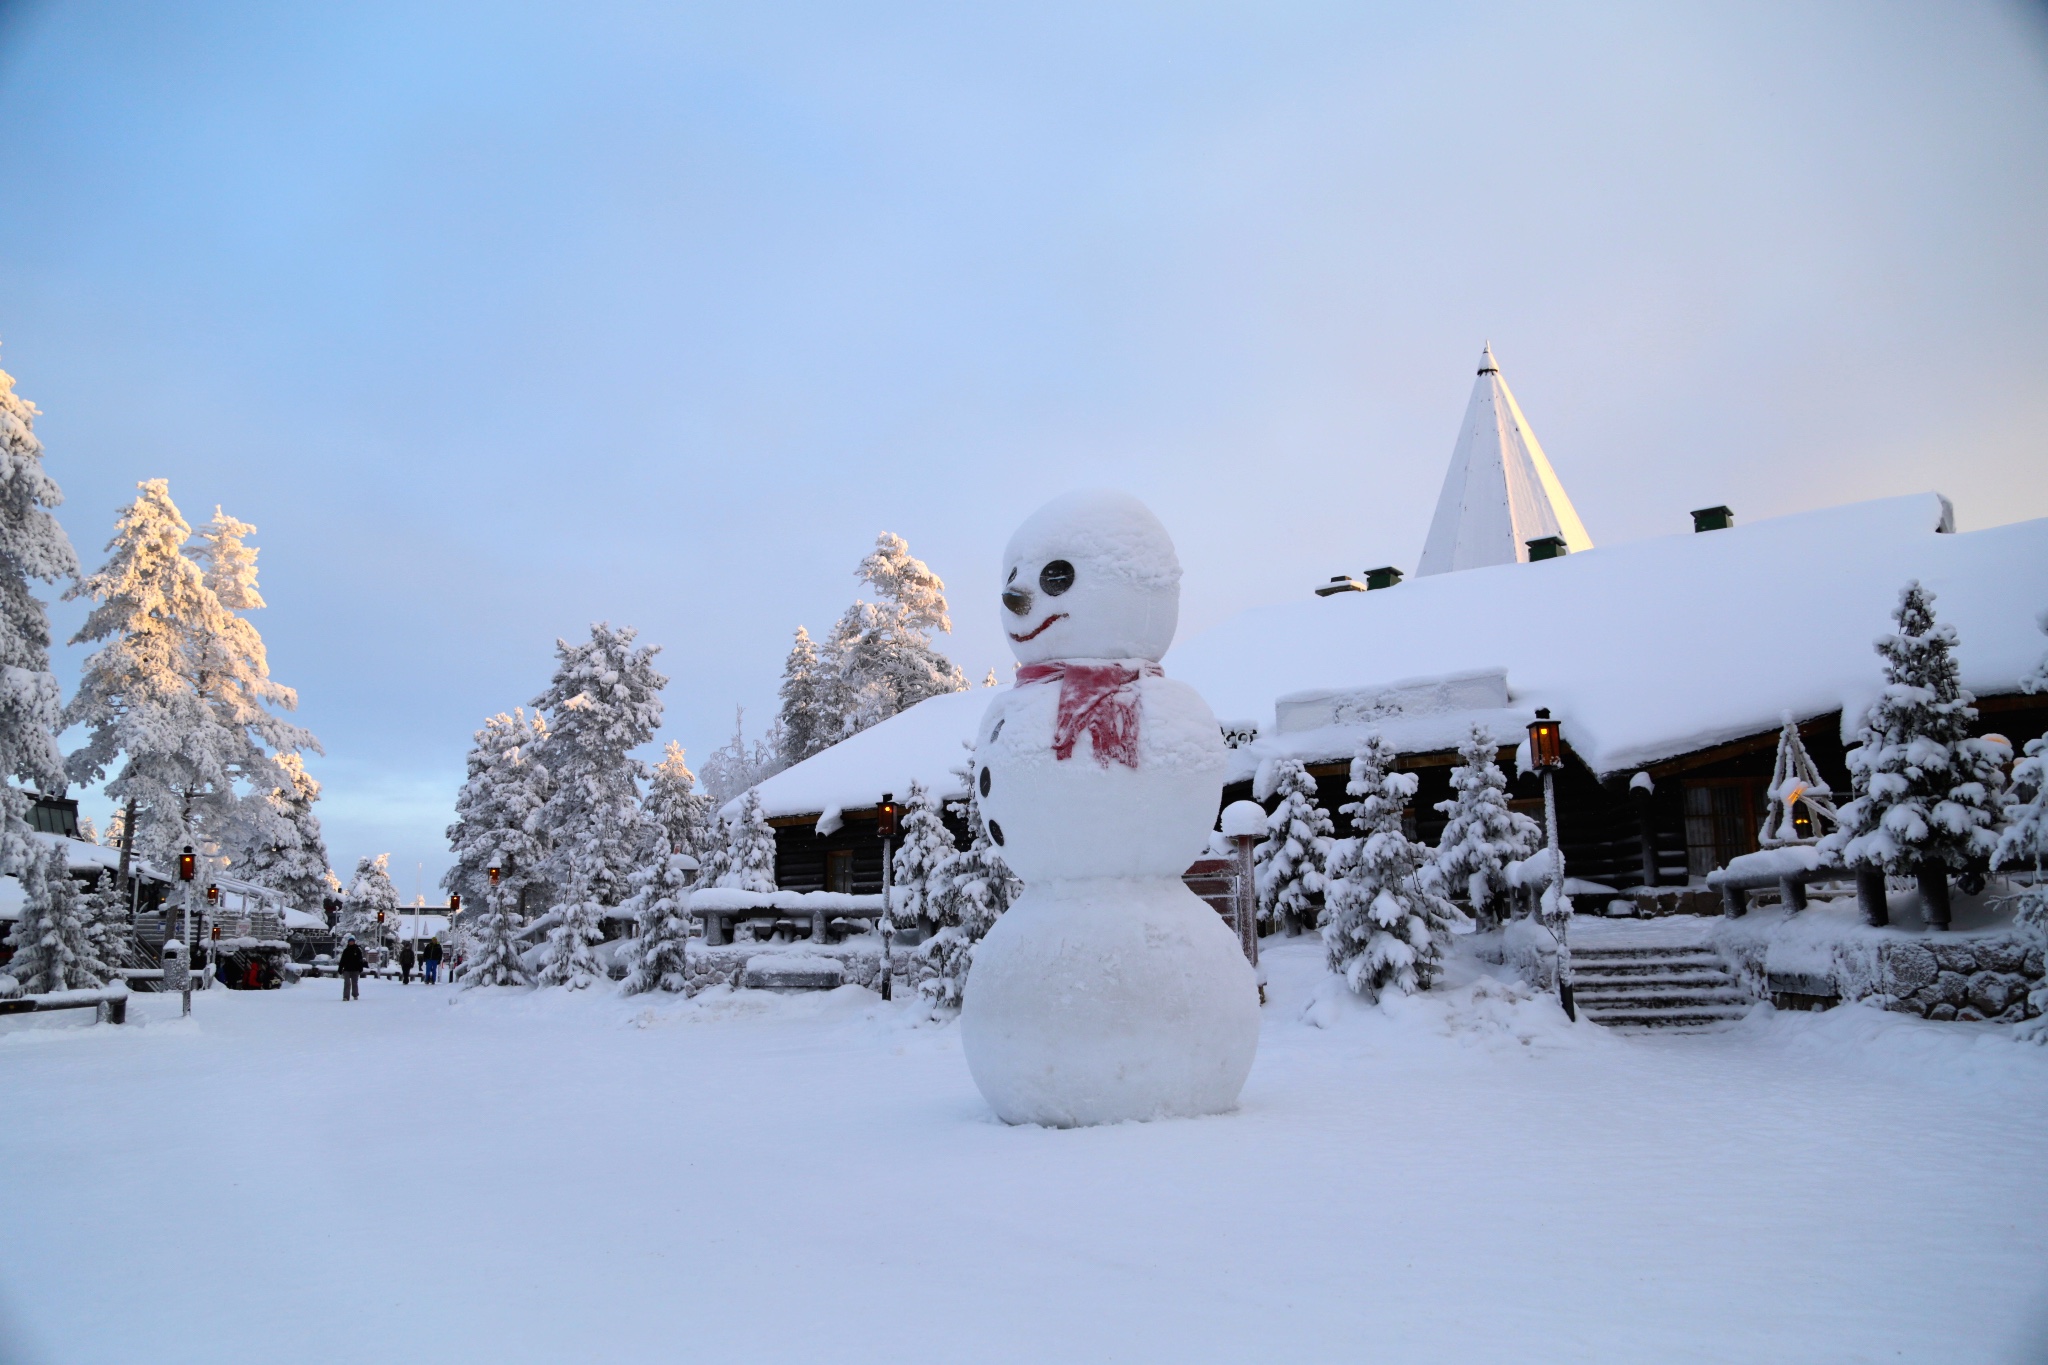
[(110, 1002), (719, 906), (1790, 869), (860, 963)]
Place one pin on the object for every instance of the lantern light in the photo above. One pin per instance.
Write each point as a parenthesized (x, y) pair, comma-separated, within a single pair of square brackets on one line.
[(455, 902), (885, 816), (188, 865), (1546, 744), (494, 874), (213, 895)]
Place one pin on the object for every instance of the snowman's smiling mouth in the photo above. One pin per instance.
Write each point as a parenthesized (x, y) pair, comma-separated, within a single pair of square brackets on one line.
[(1040, 628)]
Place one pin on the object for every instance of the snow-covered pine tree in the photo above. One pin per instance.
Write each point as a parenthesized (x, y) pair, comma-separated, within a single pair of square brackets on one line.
[(1796, 791), (107, 931), (969, 891), (739, 765), (661, 903), (33, 549), (1482, 836), (369, 893), (2024, 844), (498, 816), (1289, 866), (879, 659), (1926, 794), (566, 958), (808, 727), (281, 841), (231, 669), (603, 702), (53, 940), (493, 958), (926, 845), (682, 816), (1385, 929), (749, 863)]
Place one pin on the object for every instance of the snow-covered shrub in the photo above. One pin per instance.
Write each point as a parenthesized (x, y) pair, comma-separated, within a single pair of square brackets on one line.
[(603, 702), (1383, 928), (1926, 794), (971, 888), (1289, 866), (749, 863), (927, 844), (494, 944), (33, 548), (2024, 844), (1482, 836), (52, 940), (661, 905)]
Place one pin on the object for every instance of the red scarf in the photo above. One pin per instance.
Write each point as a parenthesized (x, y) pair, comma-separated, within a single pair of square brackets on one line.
[(1099, 698)]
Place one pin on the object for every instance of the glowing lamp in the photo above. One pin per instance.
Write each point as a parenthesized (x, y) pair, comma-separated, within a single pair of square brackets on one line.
[(213, 895), (188, 865), (885, 816), (455, 901), (1546, 743)]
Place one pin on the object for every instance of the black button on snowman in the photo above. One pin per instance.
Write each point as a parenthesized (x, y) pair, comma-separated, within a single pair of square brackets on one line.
[(1108, 991)]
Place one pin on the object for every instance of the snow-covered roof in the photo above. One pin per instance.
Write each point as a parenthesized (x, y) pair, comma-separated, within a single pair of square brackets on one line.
[(923, 743), (1500, 492), (1649, 649)]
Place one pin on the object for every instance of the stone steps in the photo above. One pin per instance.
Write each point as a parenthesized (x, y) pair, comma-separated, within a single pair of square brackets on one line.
[(1656, 987)]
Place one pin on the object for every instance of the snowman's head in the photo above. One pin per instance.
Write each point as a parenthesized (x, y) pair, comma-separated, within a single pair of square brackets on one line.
[(1090, 575)]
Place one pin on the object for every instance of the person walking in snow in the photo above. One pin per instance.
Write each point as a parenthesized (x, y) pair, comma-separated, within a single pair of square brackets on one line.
[(430, 961), (405, 961), (351, 965)]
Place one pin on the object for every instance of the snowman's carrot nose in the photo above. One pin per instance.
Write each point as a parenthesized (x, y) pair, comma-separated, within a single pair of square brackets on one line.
[(1018, 600)]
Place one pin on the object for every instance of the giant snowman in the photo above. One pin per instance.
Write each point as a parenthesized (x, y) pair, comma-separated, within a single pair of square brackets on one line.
[(1108, 991)]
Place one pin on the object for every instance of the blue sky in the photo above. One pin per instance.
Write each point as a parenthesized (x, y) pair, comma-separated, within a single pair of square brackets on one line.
[(500, 319)]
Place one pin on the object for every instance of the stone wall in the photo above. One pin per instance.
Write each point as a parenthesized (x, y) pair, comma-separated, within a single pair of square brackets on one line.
[(1984, 975)]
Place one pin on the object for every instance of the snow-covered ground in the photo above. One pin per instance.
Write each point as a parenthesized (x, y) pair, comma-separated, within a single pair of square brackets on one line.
[(514, 1176)]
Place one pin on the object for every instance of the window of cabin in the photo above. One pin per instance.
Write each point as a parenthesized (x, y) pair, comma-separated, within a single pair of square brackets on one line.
[(839, 870), (1721, 819)]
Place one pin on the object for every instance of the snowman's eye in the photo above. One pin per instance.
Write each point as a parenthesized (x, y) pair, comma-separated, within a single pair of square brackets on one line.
[(1056, 577), (1011, 579)]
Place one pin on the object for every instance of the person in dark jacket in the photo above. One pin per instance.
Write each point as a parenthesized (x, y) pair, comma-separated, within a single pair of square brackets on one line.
[(352, 965), (405, 961), (430, 960)]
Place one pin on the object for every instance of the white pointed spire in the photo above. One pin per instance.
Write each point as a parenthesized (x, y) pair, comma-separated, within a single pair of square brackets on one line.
[(1500, 493)]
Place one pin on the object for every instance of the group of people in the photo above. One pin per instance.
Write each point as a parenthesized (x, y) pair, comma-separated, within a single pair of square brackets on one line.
[(353, 963)]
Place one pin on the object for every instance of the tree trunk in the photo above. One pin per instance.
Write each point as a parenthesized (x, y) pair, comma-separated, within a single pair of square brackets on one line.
[(1870, 895), (127, 841), (1934, 895)]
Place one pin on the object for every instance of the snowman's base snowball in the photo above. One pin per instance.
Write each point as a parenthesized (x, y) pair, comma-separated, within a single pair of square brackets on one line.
[(1109, 999)]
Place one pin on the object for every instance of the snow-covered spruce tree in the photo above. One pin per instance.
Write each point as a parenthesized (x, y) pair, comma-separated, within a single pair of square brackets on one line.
[(107, 931), (682, 816), (1384, 928), (926, 845), (661, 904), (53, 940), (281, 841), (749, 862), (603, 702), (369, 893), (494, 942), (808, 727), (1289, 866), (969, 891), (33, 549), (2024, 845), (1926, 794), (1482, 836), (566, 958), (498, 817)]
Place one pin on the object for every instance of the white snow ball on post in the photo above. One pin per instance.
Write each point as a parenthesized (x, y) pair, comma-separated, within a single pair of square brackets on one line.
[(1244, 820)]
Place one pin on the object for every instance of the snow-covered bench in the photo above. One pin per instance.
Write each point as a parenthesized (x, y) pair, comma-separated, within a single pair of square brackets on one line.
[(110, 1001), (720, 906), (1791, 870)]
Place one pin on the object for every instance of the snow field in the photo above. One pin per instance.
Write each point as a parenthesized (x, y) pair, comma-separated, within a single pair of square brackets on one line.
[(550, 1176)]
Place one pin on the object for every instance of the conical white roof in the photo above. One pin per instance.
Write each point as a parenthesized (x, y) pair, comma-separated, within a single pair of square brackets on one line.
[(1500, 493)]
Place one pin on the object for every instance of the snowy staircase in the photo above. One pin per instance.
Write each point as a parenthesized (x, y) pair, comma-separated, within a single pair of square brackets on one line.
[(1655, 986)]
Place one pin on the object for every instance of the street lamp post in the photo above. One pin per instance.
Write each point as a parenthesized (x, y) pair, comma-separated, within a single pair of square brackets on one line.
[(885, 826), (188, 868), (1546, 754)]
